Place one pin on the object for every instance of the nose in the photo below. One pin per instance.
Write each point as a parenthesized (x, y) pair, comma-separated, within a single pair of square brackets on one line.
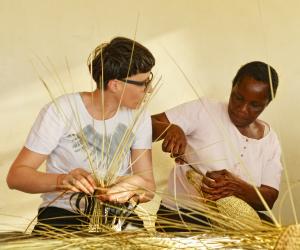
[(243, 108)]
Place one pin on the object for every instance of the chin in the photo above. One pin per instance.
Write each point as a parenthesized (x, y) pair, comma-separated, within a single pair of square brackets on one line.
[(238, 123)]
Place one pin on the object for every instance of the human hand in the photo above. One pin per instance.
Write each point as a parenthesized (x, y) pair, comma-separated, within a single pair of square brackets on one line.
[(77, 180), (124, 190), (118, 193), (175, 142), (220, 184)]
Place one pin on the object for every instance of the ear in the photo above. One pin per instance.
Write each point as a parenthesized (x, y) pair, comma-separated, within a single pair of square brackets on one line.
[(113, 85)]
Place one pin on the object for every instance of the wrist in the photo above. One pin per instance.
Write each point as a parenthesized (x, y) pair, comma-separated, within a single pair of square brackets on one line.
[(59, 182), (245, 191)]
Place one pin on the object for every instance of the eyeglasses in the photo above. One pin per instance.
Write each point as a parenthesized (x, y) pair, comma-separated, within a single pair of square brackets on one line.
[(144, 83)]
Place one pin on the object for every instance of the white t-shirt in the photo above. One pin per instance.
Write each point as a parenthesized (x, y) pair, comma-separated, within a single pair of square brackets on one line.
[(214, 143), (66, 132)]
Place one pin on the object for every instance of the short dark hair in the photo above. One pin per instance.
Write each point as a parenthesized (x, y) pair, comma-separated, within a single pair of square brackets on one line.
[(259, 71), (115, 58)]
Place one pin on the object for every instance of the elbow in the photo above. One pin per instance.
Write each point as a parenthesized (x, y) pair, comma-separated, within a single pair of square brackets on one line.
[(271, 205), (10, 181), (153, 121), (272, 198), (261, 207), (271, 202), (13, 178)]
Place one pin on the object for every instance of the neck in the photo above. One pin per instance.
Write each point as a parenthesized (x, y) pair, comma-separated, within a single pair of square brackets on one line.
[(254, 130), (100, 105)]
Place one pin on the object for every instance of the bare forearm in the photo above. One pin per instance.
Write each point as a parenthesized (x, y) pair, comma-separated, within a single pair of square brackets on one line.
[(159, 129), (29, 180), (252, 198)]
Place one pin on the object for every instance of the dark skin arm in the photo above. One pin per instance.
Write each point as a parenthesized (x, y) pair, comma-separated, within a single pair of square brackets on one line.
[(222, 183), (174, 140)]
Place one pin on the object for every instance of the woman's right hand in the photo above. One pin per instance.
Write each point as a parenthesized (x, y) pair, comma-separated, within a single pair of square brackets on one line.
[(174, 142), (77, 180)]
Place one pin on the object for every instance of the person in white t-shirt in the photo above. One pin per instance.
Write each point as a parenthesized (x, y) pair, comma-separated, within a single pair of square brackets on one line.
[(226, 142), (79, 135)]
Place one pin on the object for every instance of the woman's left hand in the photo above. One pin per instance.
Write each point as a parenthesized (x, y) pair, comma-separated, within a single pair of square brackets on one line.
[(123, 191), (139, 186), (220, 184)]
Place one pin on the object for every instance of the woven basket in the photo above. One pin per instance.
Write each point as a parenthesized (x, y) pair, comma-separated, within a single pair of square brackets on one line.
[(235, 213)]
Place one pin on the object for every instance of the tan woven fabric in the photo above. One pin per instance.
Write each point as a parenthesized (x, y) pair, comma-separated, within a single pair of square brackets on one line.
[(235, 213), (289, 239)]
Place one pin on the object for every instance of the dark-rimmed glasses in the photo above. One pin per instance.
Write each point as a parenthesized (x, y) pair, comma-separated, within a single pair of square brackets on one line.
[(144, 83)]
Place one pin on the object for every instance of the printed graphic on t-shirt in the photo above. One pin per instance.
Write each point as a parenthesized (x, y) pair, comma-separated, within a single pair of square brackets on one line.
[(101, 149)]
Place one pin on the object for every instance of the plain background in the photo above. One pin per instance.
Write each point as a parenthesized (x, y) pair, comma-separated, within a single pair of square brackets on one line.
[(209, 39)]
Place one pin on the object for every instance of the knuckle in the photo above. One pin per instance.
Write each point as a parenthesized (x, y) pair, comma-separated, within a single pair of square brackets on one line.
[(77, 170), (81, 178)]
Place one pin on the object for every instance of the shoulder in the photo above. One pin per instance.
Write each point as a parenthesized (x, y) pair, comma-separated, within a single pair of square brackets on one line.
[(195, 109), (273, 136), (270, 136), (214, 104), (63, 100), (199, 108), (269, 132), (62, 103), (67, 99), (202, 102)]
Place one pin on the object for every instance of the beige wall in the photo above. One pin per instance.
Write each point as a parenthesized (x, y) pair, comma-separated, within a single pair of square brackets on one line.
[(210, 39)]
